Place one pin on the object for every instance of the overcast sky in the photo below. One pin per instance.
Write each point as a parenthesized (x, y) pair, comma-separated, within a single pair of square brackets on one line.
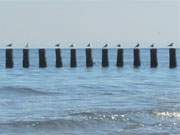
[(44, 23)]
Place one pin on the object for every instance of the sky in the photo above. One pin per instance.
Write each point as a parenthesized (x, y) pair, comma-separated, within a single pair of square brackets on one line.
[(44, 23)]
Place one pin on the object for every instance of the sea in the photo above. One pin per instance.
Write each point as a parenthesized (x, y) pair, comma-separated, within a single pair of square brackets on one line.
[(90, 101)]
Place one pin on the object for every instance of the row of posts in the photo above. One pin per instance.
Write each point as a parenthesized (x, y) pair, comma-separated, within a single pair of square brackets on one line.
[(89, 58)]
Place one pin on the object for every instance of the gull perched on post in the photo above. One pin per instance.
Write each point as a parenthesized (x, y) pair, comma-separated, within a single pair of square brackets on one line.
[(57, 45), (171, 45), (119, 45), (152, 45), (71, 45), (106, 45), (137, 45), (27, 45), (9, 45), (89, 45)]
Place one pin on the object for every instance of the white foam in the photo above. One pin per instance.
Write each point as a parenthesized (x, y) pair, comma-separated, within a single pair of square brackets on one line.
[(168, 114)]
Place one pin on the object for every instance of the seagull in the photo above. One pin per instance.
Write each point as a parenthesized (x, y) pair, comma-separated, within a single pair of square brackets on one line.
[(9, 45), (170, 45), (152, 45), (88, 45), (137, 45), (106, 45), (27, 45), (57, 45), (118, 45), (71, 45)]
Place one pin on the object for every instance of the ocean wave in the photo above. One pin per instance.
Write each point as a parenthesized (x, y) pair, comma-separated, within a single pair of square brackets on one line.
[(23, 90), (104, 116), (50, 124), (78, 119), (84, 120)]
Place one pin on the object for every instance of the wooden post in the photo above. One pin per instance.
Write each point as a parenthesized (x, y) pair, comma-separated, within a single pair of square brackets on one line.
[(42, 58), (73, 62), (58, 58), (120, 61), (89, 59), (172, 58), (105, 59), (137, 61), (9, 58), (25, 58), (154, 59)]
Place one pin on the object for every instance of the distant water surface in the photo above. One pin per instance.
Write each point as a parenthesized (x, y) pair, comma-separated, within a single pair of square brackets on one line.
[(93, 101)]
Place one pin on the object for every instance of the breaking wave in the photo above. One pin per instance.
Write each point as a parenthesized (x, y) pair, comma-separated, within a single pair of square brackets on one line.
[(168, 114)]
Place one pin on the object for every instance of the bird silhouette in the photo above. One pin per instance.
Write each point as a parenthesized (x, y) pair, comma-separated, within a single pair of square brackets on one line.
[(9, 45), (57, 45), (170, 45), (71, 45), (27, 45), (89, 45), (118, 45), (152, 45), (106, 45), (137, 45)]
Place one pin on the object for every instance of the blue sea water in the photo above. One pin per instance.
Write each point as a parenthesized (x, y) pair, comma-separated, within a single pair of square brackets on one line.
[(90, 101)]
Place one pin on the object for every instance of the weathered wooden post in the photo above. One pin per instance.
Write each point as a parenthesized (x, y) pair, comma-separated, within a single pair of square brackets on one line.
[(73, 62), (120, 61), (9, 58), (58, 57), (42, 58), (172, 58), (105, 58), (137, 60), (25, 58), (89, 59), (154, 58)]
